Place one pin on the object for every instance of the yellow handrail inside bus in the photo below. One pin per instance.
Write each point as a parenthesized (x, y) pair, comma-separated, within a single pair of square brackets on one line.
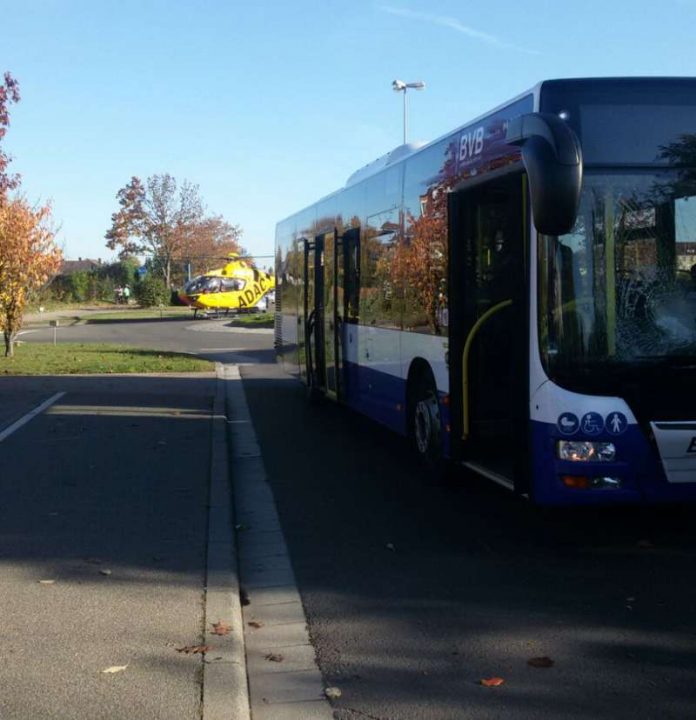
[(465, 361), (610, 269)]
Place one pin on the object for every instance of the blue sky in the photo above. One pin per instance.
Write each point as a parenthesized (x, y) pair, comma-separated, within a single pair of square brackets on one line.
[(268, 106)]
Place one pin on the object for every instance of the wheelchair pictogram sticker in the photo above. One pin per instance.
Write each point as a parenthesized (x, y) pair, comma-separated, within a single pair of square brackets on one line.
[(592, 423)]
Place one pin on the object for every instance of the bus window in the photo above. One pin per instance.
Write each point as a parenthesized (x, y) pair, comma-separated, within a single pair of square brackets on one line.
[(381, 282), (351, 254)]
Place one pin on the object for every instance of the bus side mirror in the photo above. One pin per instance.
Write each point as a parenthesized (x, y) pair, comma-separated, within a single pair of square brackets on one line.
[(552, 156)]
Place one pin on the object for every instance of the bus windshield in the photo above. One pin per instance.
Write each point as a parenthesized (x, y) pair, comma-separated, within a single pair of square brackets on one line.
[(620, 289)]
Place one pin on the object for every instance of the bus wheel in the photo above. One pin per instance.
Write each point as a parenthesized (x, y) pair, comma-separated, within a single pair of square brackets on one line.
[(315, 395), (425, 424)]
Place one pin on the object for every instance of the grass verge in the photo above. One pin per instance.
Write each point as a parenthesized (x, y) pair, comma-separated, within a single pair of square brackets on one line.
[(76, 359), (258, 320), (254, 320), (137, 314)]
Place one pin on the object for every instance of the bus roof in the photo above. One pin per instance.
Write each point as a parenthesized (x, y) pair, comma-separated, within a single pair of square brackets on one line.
[(402, 152)]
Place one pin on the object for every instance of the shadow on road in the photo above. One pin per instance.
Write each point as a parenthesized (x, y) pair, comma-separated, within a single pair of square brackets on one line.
[(414, 594), (114, 469), (103, 532)]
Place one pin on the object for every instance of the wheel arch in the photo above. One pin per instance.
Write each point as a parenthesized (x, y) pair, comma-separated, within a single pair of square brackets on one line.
[(419, 371)]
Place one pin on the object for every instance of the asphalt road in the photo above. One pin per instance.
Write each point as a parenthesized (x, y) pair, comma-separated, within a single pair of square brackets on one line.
[(103, 533), (211, 339), (414, 594)]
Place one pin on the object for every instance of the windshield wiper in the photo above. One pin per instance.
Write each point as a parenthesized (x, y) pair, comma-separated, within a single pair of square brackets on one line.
[(669, 360)]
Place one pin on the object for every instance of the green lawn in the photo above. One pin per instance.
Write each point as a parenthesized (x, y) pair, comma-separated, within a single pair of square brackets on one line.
[(109, 313), (136, 314), (256, 320), (76, 358), (259, 320)]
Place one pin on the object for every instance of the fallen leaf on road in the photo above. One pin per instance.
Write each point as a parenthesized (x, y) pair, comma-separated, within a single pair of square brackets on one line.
[(540, 662), (193, 649), (115, 669), (46, 582), (221, 628), (105, 572), (492, 682), (333, 693), (255, 624), (274, 657)]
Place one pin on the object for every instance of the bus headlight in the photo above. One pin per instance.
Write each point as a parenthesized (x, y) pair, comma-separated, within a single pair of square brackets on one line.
[(585, 451)]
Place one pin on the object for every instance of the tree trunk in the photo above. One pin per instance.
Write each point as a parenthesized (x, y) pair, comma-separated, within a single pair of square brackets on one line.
[(9, 343)]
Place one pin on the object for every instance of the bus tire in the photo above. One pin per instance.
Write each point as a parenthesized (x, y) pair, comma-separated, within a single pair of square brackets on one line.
[(425, 428), (315, 394)]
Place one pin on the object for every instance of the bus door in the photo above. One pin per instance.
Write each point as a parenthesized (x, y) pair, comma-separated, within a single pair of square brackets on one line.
[(347, 300), (330, 315), (489, 327), (314, 312), (319, 313)]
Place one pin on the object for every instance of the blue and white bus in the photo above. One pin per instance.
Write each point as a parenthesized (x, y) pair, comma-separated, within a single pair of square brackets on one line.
[(519, 296)]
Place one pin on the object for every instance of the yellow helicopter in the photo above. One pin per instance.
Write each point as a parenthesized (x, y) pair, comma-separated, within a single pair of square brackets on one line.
[(238, 286)]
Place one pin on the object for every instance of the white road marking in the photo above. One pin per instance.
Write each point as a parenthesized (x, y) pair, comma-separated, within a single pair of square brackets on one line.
[(30, 416)]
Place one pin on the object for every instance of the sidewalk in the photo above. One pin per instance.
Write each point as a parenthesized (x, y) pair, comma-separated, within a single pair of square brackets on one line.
[(120, 594)]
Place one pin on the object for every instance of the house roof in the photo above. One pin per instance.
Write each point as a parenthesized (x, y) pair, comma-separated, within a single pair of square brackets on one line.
[(79, 265)]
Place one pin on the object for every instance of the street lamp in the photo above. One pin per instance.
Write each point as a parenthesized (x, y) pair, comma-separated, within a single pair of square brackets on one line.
[(401, 86)]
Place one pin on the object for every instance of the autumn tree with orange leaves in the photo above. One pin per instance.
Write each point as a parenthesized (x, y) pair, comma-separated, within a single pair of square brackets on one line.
[(166, 220), (29, 256), (9, 93), (213, 239)]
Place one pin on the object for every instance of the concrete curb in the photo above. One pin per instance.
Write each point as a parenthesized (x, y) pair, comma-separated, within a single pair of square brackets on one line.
[(225, 686), (284, 680)]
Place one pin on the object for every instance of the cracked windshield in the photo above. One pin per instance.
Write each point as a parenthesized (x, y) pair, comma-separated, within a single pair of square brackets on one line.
[(621, 287)]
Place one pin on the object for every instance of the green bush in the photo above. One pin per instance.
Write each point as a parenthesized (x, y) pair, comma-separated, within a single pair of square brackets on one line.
[(78, 285), (151, 291), (90, 285), (124, 272)]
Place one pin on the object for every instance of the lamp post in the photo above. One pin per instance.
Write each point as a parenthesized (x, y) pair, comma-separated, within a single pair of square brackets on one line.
[(401, 86)]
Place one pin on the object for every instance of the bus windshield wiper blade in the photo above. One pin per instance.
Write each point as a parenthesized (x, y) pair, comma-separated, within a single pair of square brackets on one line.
[(669, 360)]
